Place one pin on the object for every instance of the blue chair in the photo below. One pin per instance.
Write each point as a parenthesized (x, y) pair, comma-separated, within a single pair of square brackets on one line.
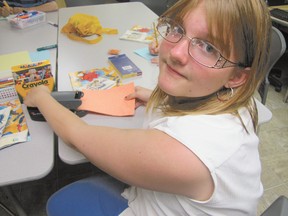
[(99, 195)]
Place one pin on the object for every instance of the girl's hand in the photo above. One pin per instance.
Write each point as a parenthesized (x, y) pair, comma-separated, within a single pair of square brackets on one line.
[(36, 94), (141, 96), (153, 48), (17, 10), (4, 11)]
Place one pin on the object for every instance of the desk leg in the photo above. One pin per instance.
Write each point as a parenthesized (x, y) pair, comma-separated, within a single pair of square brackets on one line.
[(286, 96), (13, 199), (6, 209)]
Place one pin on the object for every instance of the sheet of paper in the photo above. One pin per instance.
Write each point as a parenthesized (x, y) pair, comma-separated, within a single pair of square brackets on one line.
[(40, 56), (109, 102), (9, 60), (144, 52)]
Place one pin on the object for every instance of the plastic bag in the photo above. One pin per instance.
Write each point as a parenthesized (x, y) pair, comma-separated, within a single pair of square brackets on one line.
[(80, 26)]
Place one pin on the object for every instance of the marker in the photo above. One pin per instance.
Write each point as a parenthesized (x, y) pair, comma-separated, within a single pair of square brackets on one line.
[(53, 24), (47, 47), (25, 15)]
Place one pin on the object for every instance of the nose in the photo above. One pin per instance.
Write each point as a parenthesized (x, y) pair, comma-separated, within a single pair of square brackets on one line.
[(179, 52)]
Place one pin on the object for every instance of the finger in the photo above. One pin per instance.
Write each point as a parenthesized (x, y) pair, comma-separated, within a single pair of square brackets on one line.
[(130, 96)]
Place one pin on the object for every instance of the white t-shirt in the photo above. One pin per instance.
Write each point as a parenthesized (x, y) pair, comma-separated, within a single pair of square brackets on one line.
[(230, 153)]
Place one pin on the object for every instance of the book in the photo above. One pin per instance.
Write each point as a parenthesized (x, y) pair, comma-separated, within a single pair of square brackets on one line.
[(139, 33), (27, 76), (124, 66), (13, 123), (95, 79)]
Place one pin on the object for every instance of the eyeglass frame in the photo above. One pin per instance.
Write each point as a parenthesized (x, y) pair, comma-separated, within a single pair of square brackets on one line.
[(220, 63)]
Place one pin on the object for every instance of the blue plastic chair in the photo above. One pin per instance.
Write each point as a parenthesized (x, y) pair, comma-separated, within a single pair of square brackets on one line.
[(100, 195)]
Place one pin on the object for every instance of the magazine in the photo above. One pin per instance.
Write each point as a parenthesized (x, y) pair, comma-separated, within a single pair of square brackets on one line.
[(139, 33), (14, 127), (94, 79)]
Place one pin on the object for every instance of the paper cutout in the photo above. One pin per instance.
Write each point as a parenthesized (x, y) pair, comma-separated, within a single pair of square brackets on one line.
[(39, 56), (110, 101)]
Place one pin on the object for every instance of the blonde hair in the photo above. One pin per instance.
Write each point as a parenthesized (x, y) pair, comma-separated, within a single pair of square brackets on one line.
[(244, 25)]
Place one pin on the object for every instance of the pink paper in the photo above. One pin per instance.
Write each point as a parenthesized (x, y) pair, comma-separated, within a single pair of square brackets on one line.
[(109, 102)]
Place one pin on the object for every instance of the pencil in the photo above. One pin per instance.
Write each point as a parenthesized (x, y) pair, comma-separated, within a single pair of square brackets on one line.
[(155, 35), (6, 4)]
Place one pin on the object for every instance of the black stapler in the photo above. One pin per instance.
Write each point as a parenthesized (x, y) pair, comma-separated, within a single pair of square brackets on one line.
[(69, 99)]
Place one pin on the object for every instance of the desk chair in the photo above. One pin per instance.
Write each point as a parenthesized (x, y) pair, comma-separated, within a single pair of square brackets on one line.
[(264, 114), (278, 47), (278, 208), (100, 195)]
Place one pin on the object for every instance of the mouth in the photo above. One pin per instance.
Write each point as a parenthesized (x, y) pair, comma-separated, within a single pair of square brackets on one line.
[(173, 71)]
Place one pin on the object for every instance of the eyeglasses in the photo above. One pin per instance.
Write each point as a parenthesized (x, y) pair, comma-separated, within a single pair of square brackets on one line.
[(200, 50)]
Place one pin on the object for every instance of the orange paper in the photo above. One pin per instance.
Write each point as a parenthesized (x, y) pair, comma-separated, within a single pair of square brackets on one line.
[(109, 102)]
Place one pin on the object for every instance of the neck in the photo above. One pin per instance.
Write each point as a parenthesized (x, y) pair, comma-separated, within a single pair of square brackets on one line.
[(187, 103)]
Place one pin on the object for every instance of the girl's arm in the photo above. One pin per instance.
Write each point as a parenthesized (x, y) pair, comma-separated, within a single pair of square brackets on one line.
[(147, 158), (47, 7)]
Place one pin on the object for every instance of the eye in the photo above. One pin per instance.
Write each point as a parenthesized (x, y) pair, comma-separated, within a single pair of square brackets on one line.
[(206, 48)]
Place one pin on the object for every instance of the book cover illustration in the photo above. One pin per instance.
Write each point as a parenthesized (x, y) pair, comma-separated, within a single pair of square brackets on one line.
[(4, 115), (139, 33), (27, 76), (15, 129), (94, 79), (124, 66)]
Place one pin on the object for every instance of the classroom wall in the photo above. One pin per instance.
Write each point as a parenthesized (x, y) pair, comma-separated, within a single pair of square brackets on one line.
[(61, 3)]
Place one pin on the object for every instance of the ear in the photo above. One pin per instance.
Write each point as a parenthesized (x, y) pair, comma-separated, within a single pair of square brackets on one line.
[(239, 78)]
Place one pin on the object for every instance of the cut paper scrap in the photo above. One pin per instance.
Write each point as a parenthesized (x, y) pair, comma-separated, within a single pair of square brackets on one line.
[(109, 102), (144, 52), (39, 56)]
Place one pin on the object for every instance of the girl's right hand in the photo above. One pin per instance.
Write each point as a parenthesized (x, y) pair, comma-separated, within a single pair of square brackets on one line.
[(153, 48), (141, 96)]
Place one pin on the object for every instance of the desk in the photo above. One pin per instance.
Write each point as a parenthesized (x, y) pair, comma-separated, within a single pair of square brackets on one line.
[(279, 21), (34, 159), (75, 56)]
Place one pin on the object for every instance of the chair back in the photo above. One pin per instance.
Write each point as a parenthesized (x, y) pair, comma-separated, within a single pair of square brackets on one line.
[(277, 49)]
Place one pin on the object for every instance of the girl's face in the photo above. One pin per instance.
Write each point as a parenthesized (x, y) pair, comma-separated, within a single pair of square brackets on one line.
[(180, 75)]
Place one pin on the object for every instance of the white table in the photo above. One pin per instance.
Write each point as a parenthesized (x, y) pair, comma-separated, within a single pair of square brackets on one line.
[(279, 21), (34, 159), (76, 56)]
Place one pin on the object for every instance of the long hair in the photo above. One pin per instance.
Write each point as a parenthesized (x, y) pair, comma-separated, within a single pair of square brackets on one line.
[(244, 25)]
